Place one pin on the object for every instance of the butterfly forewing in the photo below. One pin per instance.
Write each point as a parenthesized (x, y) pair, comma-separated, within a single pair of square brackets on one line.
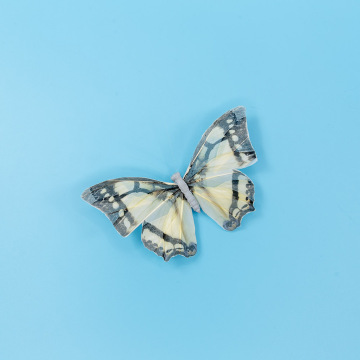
[(224, 146), (128, 201)]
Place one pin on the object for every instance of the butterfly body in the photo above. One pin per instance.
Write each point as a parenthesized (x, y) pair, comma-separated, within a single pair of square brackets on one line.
[(211, 182), (186, 191)]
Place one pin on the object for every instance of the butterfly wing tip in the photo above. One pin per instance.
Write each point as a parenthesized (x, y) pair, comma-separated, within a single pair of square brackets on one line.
[(87, 196), (240, 112)]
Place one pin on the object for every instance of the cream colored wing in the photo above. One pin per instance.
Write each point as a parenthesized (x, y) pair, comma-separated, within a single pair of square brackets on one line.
[(226, 198), (170, 230), (128, 201), (223, 147)]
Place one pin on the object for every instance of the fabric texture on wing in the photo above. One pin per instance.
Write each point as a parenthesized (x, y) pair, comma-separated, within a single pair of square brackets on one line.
[(226, 198), (128, 201), (170, 230), (223, 147)]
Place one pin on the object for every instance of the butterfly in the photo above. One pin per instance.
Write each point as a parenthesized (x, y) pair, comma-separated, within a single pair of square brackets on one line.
[(211, 183)]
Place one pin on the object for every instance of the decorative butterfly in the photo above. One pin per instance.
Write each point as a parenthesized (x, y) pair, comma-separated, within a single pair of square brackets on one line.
[(211, 182)]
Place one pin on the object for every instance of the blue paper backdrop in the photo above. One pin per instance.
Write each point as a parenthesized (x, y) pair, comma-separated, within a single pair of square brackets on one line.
[(91, 91)]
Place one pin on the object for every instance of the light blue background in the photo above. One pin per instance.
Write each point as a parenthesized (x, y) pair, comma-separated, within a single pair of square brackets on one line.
[(92, 91)]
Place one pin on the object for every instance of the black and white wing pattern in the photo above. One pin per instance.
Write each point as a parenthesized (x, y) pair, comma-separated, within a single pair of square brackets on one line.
[(127, 202), (224, 193), (170, 230)]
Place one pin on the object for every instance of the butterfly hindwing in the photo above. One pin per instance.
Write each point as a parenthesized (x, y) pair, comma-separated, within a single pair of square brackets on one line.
[(128, 201), (223, 147), (170, 230), (226, 198)]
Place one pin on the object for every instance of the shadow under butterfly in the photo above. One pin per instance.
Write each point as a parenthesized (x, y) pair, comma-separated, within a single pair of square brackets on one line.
[(211, 183)]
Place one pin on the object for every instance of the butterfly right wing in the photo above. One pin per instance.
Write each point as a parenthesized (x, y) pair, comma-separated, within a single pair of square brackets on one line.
[(224, 193), (128, 201), (170, 230)]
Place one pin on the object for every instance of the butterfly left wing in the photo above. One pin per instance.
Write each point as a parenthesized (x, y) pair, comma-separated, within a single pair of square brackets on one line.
[(170, 230), (128, 201), (226, 198)]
